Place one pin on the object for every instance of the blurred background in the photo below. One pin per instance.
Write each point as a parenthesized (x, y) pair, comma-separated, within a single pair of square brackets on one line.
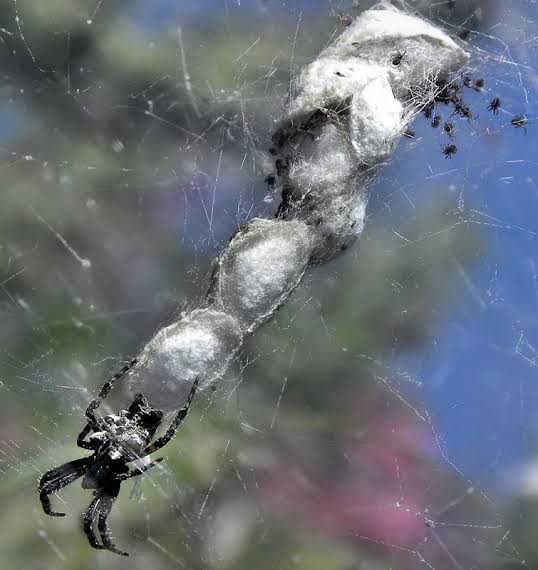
[(385, 418)]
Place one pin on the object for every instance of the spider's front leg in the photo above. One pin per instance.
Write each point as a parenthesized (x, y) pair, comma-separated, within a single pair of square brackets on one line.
[(181, 415), (60, 477), (105, 389), (91, 445), (104, 530)]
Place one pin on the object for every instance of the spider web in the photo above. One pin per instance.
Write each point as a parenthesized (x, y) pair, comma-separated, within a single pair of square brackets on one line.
[(383, 418)]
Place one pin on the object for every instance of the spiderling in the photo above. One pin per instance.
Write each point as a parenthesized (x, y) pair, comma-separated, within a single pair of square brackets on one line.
[(428, 110), (520, 122), (345, 19), (494, 105), (479, 84), (449, 150), (467, 81), (460, 108), (398, 57)]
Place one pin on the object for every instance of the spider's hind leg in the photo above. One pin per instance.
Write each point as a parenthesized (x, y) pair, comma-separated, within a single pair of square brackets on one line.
[(57, 478), (100, 509), (104, 530), (87, 522)]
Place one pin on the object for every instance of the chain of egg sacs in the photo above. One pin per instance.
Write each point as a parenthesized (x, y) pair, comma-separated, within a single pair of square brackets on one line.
[(346, 112)]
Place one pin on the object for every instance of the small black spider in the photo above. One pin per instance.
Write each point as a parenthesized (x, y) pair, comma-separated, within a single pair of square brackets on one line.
[(479, 84), (445, 96), (345, 19), (398, 57), (270, 180), (448, 127), (428, 109), (282, 167), (460, 108), (436, 121), (520, 122), (115, 441), (467, 81), (446, 92), (464, 34), (449, 150), (494, 105)]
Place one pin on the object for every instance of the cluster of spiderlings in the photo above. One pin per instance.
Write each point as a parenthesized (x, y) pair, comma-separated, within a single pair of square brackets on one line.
[(449, 93)]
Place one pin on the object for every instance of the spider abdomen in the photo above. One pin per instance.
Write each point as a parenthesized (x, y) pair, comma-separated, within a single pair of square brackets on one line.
[(95, 476)]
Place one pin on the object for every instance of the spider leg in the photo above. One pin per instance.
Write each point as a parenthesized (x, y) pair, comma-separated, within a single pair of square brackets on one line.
[(87, 522), (105, 389), (139, 470), (104, 530), (169, 434), (57, 478), (86, 444)]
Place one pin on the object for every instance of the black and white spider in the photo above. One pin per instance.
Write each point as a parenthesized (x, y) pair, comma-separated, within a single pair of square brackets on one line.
[(116, 440)]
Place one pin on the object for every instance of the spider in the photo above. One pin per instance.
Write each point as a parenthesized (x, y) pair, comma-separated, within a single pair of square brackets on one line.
[(398, 57), (270, 180), (428, 109), (449, 150), (444, 95), (456, 87), (467, 81), (449, 128), (345, 19), (116, 441), (520, 122), (479, 84), (494, 105), (436, 121), (460, 108)]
